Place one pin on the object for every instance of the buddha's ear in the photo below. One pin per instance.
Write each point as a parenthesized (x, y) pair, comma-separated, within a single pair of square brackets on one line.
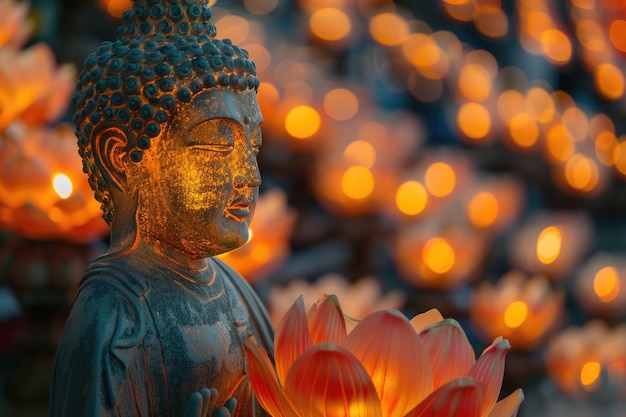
[(111, 153)]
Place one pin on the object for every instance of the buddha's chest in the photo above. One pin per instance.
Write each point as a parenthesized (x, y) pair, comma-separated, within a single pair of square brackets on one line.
[(200, 337)]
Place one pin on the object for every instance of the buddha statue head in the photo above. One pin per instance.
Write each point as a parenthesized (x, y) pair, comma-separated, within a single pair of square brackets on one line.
[(168, 130)]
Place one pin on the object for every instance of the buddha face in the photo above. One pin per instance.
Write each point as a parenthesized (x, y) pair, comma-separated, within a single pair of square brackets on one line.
[(200, 179)]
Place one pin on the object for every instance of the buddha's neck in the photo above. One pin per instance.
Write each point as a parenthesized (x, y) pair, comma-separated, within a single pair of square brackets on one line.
[(195, 269)]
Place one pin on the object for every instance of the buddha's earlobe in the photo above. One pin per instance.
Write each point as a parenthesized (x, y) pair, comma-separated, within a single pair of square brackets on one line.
[(110, 148)]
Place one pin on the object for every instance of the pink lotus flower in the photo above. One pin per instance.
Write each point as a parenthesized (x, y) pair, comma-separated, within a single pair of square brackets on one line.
[(387, 366)]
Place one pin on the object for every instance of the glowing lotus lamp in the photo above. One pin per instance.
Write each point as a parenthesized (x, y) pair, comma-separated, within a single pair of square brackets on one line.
[(387, 366), (525, 311)]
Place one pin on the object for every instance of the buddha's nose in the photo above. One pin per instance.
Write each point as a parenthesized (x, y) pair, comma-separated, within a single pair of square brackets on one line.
[(241, 181)]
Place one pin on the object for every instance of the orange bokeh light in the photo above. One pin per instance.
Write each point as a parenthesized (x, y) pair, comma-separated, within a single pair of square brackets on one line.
[(389, 29), (357, 182), (549, 244), (302, 122), (556, 46), (474, 120), (330, 24), (438, 255), (483, 209), (411, 198), (440, 179), (523, 130), (474, 82), (341, 104), (609, 81), (559, 143), (606, 284)]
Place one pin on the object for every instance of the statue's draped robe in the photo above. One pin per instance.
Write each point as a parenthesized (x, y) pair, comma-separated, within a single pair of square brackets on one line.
[(142, 337)]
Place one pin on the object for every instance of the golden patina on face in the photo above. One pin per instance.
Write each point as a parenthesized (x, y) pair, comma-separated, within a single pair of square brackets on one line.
[(200, 180)]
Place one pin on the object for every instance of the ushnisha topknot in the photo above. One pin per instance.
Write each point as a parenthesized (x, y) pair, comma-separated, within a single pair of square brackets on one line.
[(165, 54)]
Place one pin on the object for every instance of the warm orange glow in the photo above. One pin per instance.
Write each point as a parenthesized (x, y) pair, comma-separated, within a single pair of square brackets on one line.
[(341, 104), (510, 103), (357, 182), (584, 4), (523, 130), (260, 7), (361, 153), (606, 284), (515, 314), (115, 8), (619, 157), (260, 252), (456, 2), (474, 120), (438, 255), (302, 122), (589, 374), (609, 81), (559, 143), (232, 27), (62, 185), (590, 34), (483, 209), (461, 10), (440, 179), (475, 82), (492, 22), (421, 51), (411, 198), (330, 24), (605, 145), (556, 46), (540, 104), (389, 29), (617, 34), (549, 245), (576, 122), (581, 173)]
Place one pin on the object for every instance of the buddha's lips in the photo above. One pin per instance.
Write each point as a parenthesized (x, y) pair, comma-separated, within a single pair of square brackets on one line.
[(239, 208)]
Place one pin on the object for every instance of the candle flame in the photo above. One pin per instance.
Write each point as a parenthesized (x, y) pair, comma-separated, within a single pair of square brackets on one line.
[(589, 374), (606, 284), (515, 314), (438, 255), (62, 185), (549, 245)]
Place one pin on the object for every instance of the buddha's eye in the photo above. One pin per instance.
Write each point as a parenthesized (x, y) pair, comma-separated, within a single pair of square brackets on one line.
[(213, 135)]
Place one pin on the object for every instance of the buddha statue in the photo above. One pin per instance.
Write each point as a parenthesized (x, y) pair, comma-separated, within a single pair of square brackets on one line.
[(168, 129)]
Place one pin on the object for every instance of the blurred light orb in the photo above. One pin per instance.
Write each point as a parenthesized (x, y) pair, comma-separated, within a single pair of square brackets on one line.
[(549, 245), (474, 120), (438, 255), (589, 374), (590, 34), (357, 182), (559, 143), (115, 8), (421, 51), (605, 145), (475, 82), (440, 179), (62, 185), (581, 173), (330, 24), (389, 29), (483, 209), (606, 284), (609, 80), (302, 122), (340, 104), (260, 7), (540, 104), (232, 27), (523, 130), (515, 314), (491, 22), (617, 34), (510, 102), (411, 198), (556, 46), (577, 122), (360, 152)]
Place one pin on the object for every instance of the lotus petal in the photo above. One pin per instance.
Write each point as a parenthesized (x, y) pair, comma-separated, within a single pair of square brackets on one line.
[(461, 397), (422, 320), (328, 381), (292, 338), (326, 321), (451, 354), (508, 406), (264, 382), (489, 371), (395, 358)]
